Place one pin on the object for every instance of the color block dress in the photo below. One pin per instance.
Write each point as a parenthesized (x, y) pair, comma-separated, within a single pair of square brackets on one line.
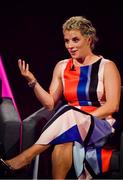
[(84, 91)]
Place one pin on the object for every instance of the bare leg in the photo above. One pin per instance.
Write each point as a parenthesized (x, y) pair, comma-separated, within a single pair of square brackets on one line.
[(61, 160), (26, 156)]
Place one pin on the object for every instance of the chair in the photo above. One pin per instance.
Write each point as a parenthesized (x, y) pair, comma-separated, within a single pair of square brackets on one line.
[(10, 127), (10, 122)]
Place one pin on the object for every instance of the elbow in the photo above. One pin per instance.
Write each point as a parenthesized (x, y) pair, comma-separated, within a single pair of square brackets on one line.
[(50, 106), (114, 108), (117, 108)]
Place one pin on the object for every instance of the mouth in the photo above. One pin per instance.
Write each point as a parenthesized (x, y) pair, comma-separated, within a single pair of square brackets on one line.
[(73, 53)]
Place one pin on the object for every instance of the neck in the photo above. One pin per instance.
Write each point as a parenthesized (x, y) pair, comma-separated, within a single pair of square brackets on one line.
[(84, 60)]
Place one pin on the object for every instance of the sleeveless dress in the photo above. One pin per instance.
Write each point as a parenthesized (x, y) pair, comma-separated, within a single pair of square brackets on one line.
[(84, 91)]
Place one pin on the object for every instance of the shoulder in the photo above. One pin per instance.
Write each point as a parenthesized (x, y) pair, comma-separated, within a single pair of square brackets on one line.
[(60, 64), (110, 66), (111, 73), (108, 63)]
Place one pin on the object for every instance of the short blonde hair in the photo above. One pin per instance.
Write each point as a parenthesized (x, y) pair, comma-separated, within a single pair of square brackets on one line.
[(84, 25)]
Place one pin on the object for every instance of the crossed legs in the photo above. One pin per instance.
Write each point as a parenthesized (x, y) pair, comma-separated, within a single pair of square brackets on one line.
[(61, 158)]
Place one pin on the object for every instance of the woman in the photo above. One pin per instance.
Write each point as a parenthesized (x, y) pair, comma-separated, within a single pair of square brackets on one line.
[(82, 125)]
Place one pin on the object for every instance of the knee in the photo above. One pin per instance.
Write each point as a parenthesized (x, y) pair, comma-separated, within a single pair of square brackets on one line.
[(62, 156), (58, 149), (63, 147), (62, 151)]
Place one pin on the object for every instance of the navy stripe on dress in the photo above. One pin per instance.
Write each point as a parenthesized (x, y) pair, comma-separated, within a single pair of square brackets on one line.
[(93, 84)]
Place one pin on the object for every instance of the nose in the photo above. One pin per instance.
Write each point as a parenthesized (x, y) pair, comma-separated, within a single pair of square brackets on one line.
[(70, 45)]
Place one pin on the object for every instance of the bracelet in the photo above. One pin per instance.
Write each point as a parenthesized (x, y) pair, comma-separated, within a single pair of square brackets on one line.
[(32, 83)]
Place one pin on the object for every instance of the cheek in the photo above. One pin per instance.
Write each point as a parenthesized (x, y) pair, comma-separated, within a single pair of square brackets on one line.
[(80, 45), (65, 45), (83, 44)]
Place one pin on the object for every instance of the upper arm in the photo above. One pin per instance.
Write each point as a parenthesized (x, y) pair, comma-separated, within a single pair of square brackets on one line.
[(112, 83), (56, 87)]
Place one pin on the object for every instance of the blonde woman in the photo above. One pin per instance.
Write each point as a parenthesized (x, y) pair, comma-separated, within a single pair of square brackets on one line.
[(80, 128)]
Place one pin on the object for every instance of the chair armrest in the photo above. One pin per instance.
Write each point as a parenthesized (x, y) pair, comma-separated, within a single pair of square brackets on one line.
[(34, 123)]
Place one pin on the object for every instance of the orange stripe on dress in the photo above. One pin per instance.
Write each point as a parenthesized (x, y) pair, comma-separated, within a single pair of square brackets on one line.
[(106, 156), (88, 109), (71, 79)]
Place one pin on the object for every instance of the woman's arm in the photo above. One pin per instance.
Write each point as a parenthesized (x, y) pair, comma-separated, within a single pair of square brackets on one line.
[(47, 99), (112, 85)]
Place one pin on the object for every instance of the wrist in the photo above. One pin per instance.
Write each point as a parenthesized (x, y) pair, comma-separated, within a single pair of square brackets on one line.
[(32, 83)]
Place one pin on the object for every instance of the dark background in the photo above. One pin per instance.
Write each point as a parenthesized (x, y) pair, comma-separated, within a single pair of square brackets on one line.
[(26, 33)]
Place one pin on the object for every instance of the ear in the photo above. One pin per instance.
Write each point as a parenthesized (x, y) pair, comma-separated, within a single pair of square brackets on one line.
[(89, 40)]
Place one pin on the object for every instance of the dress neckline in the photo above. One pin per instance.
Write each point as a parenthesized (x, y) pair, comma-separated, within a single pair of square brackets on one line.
[(100, 58)]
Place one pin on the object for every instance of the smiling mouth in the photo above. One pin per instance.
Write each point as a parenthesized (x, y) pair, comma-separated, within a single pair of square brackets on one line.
[(72, 52)]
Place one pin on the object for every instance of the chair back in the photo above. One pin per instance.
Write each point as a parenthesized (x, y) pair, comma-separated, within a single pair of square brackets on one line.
[(9, 128)]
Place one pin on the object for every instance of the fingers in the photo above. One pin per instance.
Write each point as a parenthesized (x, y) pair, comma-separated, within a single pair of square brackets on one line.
[(24, 69), (27, 67), (19, 63), (22, 65)]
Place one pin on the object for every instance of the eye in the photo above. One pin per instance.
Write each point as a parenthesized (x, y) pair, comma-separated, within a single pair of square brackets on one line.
[(66, 40), (75, 39)]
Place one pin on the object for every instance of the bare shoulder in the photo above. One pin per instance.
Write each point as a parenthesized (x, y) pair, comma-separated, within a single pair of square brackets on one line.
[(59, 66), (62, 62), (110, 65), (111, 68)]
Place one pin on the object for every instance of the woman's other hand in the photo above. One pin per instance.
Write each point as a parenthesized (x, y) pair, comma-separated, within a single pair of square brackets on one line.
[(24, 69)]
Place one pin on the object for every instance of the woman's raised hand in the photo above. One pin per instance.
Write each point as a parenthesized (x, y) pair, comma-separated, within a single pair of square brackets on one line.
[(24, 69)]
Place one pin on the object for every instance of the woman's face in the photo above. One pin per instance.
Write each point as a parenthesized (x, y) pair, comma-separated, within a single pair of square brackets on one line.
[(76, 44)]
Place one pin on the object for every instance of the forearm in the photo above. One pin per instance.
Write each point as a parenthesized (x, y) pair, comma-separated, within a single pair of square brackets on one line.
[(44, 97), (105, 110), (48, 100)]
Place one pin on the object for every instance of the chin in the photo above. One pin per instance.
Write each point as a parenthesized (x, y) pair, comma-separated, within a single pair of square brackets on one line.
[(74, 57)]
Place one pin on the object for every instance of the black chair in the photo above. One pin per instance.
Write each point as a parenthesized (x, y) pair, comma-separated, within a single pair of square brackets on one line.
[(10, 131), (10, 127)]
